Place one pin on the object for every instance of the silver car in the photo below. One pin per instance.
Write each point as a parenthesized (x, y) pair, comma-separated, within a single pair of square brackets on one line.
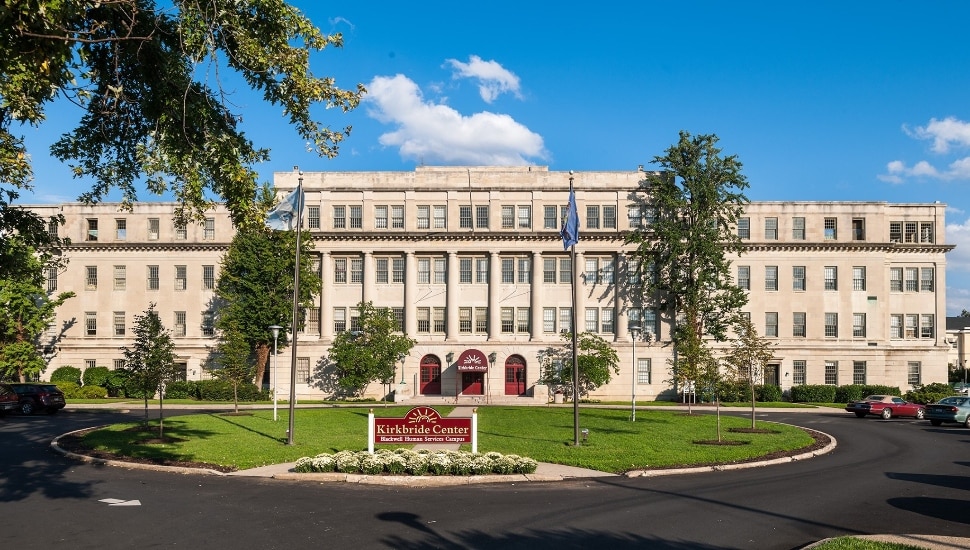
[(949, 409)]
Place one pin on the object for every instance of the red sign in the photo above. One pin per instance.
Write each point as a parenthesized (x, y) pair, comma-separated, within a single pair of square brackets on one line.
[(472, 360), (422, 425)]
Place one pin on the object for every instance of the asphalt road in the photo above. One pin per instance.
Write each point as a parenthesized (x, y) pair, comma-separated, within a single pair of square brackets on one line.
[(898, 476)]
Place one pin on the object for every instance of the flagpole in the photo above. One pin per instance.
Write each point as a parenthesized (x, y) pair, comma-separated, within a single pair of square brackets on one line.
[(296, 306), (575, 321)]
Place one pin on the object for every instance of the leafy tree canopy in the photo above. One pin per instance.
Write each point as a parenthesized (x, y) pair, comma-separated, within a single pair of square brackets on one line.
[(371, 353), (597, 362), (232, 360), (146, 77), (150, 361)]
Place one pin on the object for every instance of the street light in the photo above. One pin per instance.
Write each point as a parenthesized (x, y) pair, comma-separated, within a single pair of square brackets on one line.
[(400, 357), (275, 329), (634, 333)]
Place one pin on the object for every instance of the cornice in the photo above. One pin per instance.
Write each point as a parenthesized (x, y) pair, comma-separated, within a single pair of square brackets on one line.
[(147, 247), (829, 246)]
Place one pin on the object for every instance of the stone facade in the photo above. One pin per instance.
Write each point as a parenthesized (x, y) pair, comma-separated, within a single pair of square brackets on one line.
[(471, 258)]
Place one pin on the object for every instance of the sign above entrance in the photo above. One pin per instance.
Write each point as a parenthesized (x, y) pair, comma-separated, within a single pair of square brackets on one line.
[(472, 360)]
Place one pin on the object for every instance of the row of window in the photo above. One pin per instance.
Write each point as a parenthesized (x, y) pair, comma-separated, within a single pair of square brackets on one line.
[(119, 323), (153, 233), (859, 373), (908, 279), (182, 369), (901, 326), (152, 282), (899, 231)]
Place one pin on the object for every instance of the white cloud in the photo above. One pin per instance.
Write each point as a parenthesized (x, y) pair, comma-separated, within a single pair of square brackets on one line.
[(958, 267), (493, 79), (897, 171), (943, 133), (430, 132)]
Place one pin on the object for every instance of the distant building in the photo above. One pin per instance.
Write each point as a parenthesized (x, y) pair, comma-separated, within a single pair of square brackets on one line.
[(471, 259), (958, 338)]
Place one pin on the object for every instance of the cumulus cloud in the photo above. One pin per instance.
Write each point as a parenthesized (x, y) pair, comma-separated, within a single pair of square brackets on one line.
[(493, 79), (949, 133), (432, 132), (943, 133), (958, 262), (897, 171)]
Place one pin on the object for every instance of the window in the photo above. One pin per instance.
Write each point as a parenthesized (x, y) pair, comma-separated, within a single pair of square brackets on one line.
[(744, 277), (524, 320), (465, 271), (912, 279), (508, 320), (565, 319), (121, 229), (440, 217), (209, 277), (859, 372), (397, 217), (566, 270), (771, 324), (118, 364), (771, 277), (398, 314), (896, 326), (831, 325), (180, 277), (599, 270), (51, 279), (508, 217), (340, 319), (831, 228), (465, 320), (153, 277), (926, 326), (180, 232), (859, 325), (508, 270), (303, 370), (926, 233), (744, 228), (465, 217), (927, 276), (549, 319), (643, 371), (90, 323), (179, 329), (896, 232), (633, 217), (382, 269), (798, 229), (481, 320), (339, 217), (607, 326), (120, 279), (208, 324), (909, 232), (549, 270), (481, 270), (424, 217), (209, 229), (153, 229), (913, 377), (798, 372), (481, 217), (592, 217), (609, 217), (771, 229), (859, 278), (356, 270), (340, 270), (313, 217), (525, 217), (438, 317), (52, 228), (832, 373), (912, 321), (356, 217), (798, 324), (440, 271), (798, 277), (92, 234), (896, 279), (380, 217), (91, 277), (355, 320), (592, 319), (119, 323), (831, 278), (90, 363), (525, 270), (858, 229), (397, 270), (549, 218), (312, 320)]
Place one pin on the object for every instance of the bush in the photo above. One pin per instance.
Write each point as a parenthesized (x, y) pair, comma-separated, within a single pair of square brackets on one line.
[(220, 390), (181, 389), (115, 383), (66, 374), (767, 392), (815, 393), (930, 393), (854, 392), (92, 392), (734, 391), (96, 376), (70, 389)]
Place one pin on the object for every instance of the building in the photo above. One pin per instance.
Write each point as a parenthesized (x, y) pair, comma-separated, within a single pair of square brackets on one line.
[(471, 262)]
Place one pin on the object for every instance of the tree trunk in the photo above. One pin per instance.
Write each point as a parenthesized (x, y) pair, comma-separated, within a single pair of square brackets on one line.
[(262, 355)]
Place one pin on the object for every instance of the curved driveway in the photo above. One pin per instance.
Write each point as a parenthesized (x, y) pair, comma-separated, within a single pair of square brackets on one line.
[(896, 476)]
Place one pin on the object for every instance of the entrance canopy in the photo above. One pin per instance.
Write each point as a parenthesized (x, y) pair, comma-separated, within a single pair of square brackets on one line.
[(472, 360)]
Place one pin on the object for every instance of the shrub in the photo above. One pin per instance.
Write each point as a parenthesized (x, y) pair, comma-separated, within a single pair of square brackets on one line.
[(181, 389), (816, 393), (96, 376), (767, 392), (70, 389), (733, 391), (401, 461), (930, 393), (220, 390), (66, 374), (115, 383), (92, 392)]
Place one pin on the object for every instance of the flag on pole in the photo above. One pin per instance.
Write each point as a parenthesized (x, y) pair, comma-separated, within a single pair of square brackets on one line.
[(284, 216), (570, 225)]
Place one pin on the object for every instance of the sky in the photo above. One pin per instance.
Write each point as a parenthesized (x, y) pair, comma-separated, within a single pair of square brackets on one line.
[(821, 101)]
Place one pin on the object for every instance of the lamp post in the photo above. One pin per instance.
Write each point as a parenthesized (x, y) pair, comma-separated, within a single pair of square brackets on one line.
[(400, 357), (634, 333), (275, 329)]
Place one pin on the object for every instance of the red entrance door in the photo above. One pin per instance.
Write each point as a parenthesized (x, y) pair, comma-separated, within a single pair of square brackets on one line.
[(430, 375), (514, 375), (472, 383)]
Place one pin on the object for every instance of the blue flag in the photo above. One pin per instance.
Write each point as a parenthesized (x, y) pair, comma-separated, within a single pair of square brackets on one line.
[(284, 216), (570, 225)]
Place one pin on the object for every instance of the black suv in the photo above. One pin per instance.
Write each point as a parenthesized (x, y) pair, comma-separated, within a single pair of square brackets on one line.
[(39, 396)]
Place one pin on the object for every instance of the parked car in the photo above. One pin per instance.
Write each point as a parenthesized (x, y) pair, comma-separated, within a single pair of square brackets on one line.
[(39, 396), (9, 401), (955, 408), (886, 406), (961, 388)]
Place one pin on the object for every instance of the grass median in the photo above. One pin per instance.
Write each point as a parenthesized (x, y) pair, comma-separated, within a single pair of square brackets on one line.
[(658, 439)]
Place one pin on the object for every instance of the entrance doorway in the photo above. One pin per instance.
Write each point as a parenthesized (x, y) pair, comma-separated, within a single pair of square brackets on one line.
[(771, 374), (515, 375), (473, 383), (430, 375)]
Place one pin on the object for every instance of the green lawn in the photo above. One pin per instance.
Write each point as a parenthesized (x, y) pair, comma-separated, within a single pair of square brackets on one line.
[(657, 439)]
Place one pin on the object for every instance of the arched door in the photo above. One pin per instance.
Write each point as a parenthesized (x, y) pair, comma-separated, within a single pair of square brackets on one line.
[(515, 375), (430, 375)]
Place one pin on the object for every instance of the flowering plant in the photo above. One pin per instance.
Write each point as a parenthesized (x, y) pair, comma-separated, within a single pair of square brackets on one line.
[(410, 462)]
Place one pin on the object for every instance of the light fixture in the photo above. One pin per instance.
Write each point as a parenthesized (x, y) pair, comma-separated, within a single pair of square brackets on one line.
[(491, 357), (450, 357), (634, 334), (400, 357), (275, 330)]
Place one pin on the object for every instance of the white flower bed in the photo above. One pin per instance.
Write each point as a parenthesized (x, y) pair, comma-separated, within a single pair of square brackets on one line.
[(409, 462)]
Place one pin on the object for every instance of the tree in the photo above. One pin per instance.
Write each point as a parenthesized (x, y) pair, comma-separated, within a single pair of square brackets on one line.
[(697, 200), (255, 287), (369, 354), (28, 310), (232, 361), (147, 77), (150, 362), (964, 314), (596, 359), (748, 356)]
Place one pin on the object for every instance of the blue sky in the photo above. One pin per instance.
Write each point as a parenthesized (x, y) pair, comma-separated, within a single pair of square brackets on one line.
[(821, 101)]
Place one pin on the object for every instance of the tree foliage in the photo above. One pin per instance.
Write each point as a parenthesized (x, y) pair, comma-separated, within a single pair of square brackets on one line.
[(697, 200), (597, 362), (370, 354), (148, 78), (747, 359), (150, 362), (255, 287), (232, 361)]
